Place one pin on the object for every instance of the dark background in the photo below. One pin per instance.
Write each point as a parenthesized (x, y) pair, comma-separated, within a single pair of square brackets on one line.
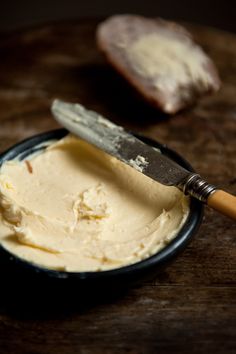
[(190, 308), (23, 13)]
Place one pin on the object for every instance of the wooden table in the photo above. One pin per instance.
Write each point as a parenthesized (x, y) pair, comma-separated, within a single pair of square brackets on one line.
[(190, 307)]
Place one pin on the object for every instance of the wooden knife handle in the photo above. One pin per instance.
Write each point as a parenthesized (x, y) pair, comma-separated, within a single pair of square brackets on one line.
[(223, 202)]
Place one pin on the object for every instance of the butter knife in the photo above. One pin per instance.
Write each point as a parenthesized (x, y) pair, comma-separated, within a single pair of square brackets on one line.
[(114, 140)]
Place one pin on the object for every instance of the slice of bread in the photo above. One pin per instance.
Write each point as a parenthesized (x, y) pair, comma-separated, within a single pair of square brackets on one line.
[(159, 58)]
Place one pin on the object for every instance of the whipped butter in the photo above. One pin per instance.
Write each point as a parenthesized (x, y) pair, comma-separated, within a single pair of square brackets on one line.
[(75, 208)]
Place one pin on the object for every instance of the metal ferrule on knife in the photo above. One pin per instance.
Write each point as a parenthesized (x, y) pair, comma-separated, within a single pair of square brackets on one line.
[(195, 186)]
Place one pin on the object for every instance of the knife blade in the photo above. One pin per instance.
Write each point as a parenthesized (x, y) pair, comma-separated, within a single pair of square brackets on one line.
[(115, 141)]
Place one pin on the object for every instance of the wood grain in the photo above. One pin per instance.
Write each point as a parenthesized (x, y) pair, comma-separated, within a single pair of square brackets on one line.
[(191, 306)]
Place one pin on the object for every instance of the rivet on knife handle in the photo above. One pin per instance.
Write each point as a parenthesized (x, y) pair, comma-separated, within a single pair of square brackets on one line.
[(217, 199)]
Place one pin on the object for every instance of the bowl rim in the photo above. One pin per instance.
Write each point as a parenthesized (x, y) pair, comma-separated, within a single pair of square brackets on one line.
[(184, 235)]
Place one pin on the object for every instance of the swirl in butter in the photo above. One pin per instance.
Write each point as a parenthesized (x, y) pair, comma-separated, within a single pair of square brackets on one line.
[(78, 209)]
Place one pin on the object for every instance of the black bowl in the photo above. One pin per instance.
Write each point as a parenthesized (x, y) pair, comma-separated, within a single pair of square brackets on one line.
[(118, 277)]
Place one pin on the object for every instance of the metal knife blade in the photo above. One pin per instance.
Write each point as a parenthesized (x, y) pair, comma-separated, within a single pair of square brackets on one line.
[(114, 140)]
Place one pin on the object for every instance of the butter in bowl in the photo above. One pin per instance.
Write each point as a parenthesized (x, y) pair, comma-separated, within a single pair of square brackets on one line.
[(69, 210)]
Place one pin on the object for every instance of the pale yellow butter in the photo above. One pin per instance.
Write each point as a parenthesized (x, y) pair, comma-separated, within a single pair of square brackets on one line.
[(82, 210)]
